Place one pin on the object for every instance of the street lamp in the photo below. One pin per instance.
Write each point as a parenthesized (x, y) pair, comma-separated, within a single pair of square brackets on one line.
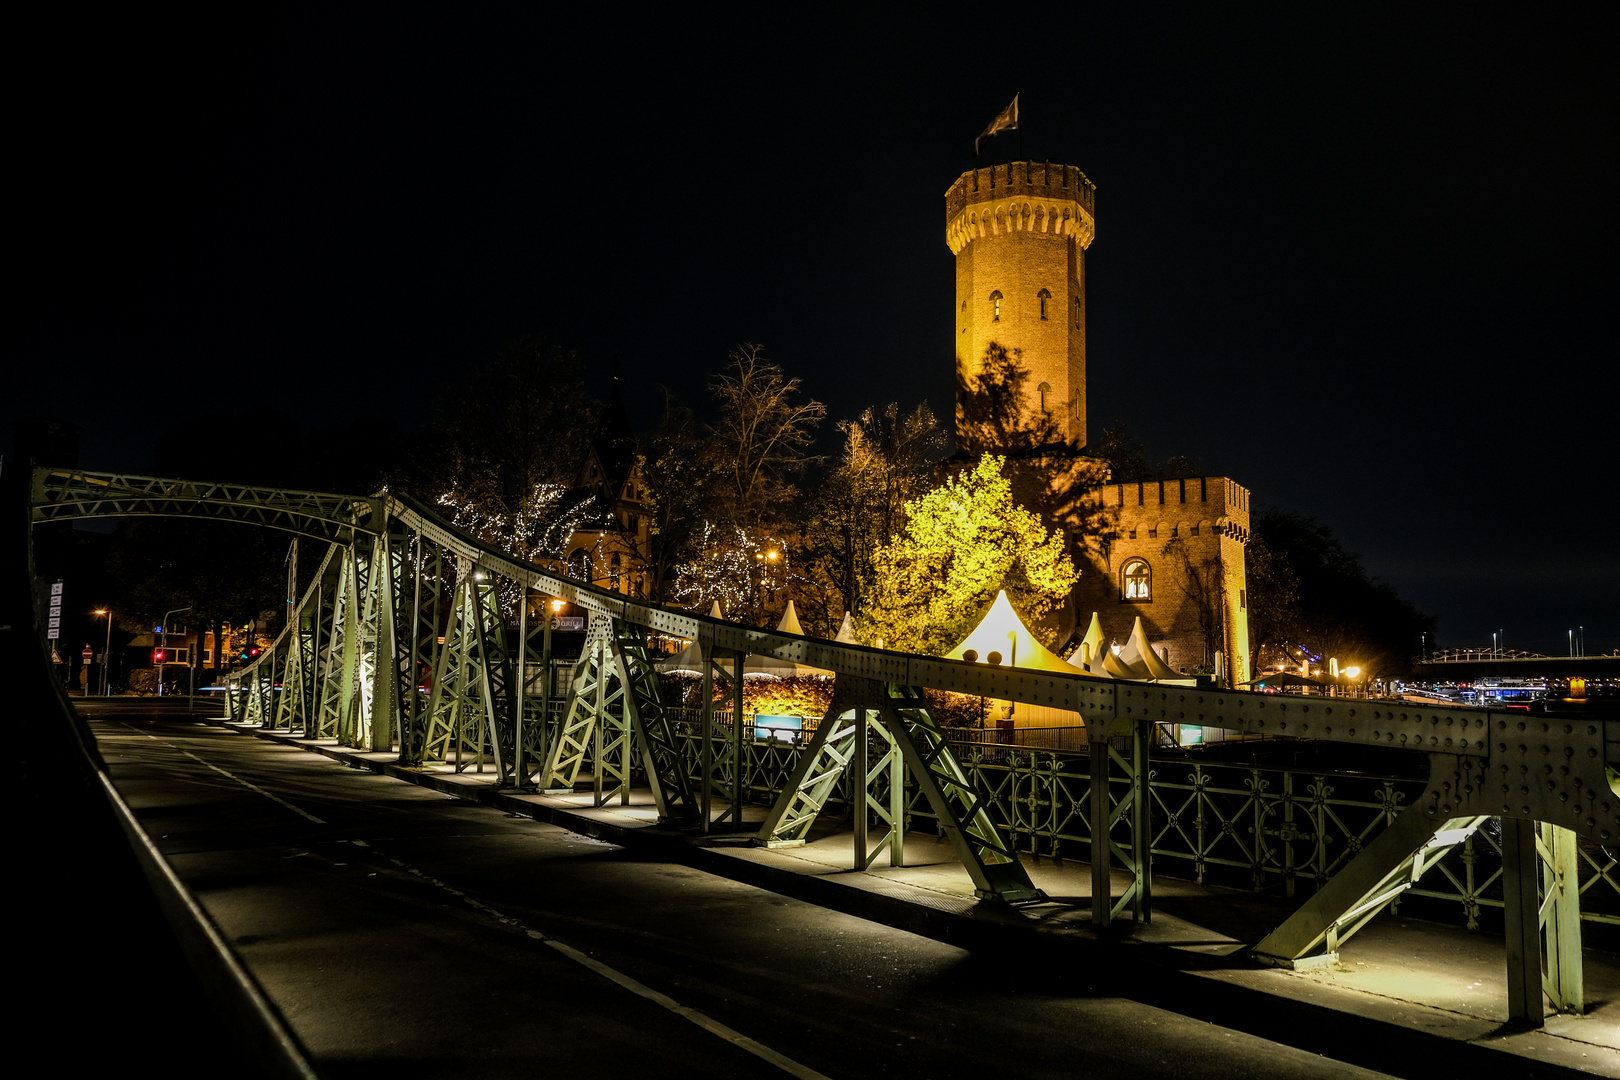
[(106, 655)]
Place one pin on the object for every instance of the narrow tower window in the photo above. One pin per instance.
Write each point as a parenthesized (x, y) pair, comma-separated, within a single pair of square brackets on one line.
[(1044, 389), (995, 306), (1043, 296)]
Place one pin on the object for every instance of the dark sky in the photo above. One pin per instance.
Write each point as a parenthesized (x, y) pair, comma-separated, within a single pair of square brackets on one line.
[(1354, 259)]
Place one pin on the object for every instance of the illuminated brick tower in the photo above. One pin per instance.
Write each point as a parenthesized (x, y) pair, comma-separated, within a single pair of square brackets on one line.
[(1019, 232)]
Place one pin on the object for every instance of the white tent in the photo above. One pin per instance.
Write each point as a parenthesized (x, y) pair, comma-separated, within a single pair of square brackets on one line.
[(1137, 651), (1090, 646), (762, 667), (1136, 661), (1002, 631), (689, 661)]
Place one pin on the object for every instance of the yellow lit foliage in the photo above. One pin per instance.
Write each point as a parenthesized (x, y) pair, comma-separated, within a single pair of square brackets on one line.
[(801, 695), (962, 542)]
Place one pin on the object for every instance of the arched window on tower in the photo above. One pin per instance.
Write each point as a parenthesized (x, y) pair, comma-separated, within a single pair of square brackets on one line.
[(1043, 296), (1043, 390), (1136, 581), (995, 306)]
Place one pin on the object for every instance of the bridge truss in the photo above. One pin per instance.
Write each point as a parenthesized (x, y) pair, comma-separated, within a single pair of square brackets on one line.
[(417, 638)]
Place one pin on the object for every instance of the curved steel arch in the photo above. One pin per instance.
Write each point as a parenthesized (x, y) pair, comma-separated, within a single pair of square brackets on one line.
[(72, 494)]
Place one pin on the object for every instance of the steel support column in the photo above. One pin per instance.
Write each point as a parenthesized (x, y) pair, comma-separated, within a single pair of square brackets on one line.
[(1521, 909), (1561, 918)]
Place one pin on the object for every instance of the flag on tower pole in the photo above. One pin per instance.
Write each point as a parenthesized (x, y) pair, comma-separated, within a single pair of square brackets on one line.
[(1006, 120)]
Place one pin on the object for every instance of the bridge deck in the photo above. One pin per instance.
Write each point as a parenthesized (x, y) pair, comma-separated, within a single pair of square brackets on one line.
[(1415, 980)]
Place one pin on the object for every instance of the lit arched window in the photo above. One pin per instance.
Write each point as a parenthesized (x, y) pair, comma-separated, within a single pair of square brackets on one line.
[(995, 306), (579, 565), (1136, 581), (1043, 296)]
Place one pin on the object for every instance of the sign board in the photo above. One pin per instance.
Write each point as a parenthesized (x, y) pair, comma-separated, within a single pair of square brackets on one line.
[(89, 653), (53, 624), (568, 622)]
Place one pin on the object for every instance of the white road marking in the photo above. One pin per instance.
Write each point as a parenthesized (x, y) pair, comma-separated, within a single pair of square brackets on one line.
[(252, 787), (702, 1020), (236, 779)]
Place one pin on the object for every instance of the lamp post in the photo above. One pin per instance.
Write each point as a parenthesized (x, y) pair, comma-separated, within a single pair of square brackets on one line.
[(106, 655)]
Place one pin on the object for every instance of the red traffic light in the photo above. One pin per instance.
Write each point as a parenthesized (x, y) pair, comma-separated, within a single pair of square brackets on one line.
[(157, 655)]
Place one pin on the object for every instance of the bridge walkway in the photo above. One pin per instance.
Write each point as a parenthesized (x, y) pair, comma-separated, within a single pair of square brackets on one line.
[(1430, 990)]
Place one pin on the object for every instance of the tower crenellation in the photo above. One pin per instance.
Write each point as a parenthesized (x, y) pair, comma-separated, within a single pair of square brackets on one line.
[(1020, 231)]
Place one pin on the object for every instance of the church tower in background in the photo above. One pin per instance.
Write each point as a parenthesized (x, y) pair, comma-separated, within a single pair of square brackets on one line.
[(1019, 232)]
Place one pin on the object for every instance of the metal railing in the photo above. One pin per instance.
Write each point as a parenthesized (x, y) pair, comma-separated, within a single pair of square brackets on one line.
[(1241, 826)]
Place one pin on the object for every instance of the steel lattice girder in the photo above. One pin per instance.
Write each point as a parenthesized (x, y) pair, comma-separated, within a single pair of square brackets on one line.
[(63, 494), (565, 754), (644, 710), (961, 808)]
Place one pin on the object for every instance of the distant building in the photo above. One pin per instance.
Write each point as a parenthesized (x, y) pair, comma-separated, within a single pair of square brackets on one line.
[(1020, 232), (609, 548)]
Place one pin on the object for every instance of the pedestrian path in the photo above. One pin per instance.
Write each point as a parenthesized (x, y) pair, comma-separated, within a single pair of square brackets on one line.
[(1441, 989)]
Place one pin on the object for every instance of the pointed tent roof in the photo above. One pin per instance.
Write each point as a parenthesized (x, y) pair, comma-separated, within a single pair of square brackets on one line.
[(1086, 651), (1137, 651), (790, 621), (846, 632), (1002, 631), (782, 669), (1136, 661)]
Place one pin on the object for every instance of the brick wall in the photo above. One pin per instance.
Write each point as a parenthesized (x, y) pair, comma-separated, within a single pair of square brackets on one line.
[(1207, 517)]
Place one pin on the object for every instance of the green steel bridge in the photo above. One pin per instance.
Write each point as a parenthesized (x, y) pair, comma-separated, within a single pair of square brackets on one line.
[(400, 592)]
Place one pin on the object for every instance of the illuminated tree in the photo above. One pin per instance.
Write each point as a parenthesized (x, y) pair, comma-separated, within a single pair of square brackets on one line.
[(961, 543), (749, 572)]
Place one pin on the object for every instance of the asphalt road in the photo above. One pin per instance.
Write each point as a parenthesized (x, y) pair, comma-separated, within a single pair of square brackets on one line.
[(406, 933)]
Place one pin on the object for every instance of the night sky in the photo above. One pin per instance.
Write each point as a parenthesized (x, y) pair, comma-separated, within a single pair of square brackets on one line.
[(1353, 259)]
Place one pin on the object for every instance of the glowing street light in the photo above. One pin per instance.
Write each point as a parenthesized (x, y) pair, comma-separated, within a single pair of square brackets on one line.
[(106, 654)]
